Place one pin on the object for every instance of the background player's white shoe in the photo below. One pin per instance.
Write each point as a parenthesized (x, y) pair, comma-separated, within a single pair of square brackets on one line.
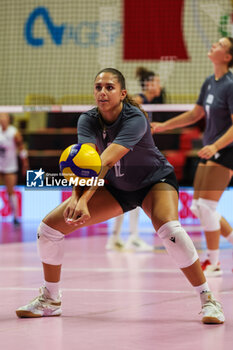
[(211, 270), (41, 306), (211, 309), (114, 243), (138, 244)]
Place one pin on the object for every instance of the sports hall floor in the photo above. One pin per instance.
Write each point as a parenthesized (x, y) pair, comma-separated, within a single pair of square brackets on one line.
[(111, 300)]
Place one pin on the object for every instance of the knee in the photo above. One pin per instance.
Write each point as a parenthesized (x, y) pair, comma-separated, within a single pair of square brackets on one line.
[(160, 220), (178, 244), (208, 215), (50, 244)]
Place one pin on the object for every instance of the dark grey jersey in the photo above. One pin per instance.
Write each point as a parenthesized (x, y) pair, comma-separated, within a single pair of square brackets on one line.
[(143, 164), (216, 97)]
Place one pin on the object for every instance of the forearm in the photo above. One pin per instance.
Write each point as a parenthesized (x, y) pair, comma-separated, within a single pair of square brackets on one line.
[(184, 119), (88, 192), (77, 192), (110, 156)]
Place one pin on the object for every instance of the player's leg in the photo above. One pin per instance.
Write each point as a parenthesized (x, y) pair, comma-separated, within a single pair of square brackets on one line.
[(51, 231), (214, 181), (197, 186), (114, 240), (225, 227), (10, 181), (161, 205)]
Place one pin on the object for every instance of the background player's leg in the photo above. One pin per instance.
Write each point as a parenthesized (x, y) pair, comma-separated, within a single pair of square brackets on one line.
[(10, 182), (134, 242), (114, 240), (214, 181)]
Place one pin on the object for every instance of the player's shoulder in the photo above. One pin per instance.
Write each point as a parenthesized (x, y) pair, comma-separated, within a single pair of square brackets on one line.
[(208, 79), (229, 78), (135, 117), (130, 111), (91, 113), (89, 116)]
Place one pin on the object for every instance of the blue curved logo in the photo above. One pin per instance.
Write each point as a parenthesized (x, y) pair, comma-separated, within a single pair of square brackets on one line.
[(84, 34), (56, 32)]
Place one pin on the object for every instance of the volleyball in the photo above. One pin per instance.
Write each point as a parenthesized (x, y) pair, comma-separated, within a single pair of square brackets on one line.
[(80, 160)]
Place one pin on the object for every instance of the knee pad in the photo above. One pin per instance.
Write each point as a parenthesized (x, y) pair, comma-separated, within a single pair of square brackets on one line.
[(208, 215), (50, 244), (178, 244), (194, 208)]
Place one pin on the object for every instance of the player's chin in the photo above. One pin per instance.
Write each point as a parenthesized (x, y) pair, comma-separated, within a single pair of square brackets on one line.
[(102, 106)]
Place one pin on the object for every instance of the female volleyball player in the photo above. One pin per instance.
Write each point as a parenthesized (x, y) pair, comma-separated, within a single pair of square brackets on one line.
[(122, 133), (11, 142), (215, 168)]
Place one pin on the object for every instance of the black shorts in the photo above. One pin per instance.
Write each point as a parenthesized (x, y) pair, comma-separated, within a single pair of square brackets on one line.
[(129, 200), (223, 157)]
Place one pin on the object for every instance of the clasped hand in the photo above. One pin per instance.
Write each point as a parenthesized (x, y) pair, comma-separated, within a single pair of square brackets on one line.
[(76, 212)]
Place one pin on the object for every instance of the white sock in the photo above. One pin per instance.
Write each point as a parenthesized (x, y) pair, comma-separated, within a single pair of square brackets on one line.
[(213, 256), (230, 237), (53, 288), (117, 225), (133, 222), (202, 288)]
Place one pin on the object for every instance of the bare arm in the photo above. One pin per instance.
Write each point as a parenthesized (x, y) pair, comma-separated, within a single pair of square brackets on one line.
[(109, 158), (80, 213), (184, 119)]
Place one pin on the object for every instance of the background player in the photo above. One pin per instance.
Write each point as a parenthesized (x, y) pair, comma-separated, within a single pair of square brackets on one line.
[(215, 169), (11, 145)]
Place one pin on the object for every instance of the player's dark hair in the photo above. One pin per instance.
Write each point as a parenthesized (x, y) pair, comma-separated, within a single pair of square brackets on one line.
[(121, 81), (230, 63), (144, 75)]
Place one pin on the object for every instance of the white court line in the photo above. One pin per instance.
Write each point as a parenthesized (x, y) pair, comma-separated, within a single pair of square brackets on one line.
[(86, 290), (101, 270), (104, 290)]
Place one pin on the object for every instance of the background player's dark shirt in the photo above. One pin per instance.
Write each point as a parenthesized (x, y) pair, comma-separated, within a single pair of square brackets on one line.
[(216, 96)]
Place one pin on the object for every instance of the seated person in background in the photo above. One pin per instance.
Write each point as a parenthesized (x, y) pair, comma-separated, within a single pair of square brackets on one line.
[(152, 92)]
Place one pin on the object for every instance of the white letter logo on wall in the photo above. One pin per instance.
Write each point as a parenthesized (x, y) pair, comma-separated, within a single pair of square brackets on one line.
[(35, 178)]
